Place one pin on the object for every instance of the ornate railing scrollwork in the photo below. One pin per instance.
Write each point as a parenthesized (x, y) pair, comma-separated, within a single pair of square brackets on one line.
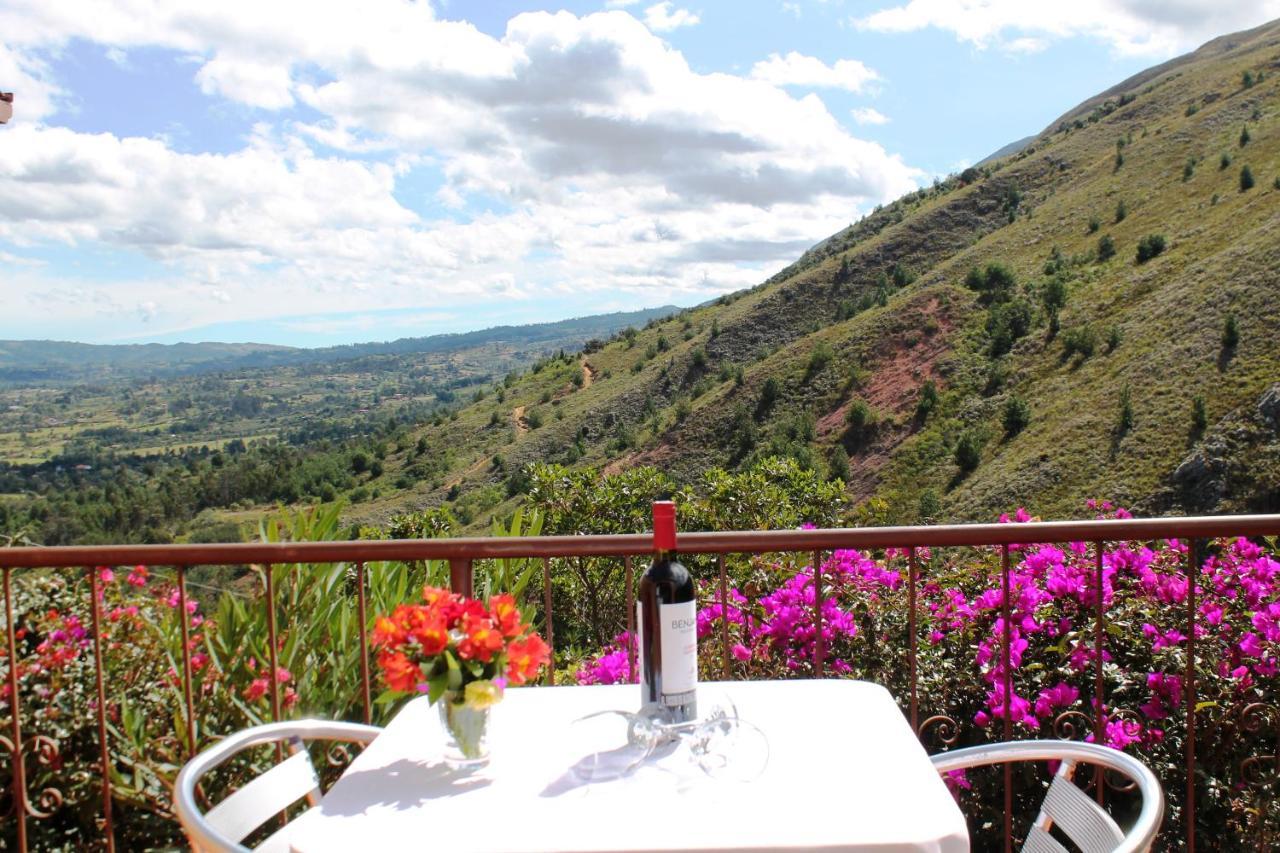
[(947, 731), (1072, 725), (1257, 720), (46, 752)]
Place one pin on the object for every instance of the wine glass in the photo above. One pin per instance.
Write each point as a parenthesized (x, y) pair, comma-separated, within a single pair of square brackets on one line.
[(615, 744)]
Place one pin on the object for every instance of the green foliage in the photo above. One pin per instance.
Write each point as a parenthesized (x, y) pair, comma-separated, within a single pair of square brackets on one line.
[(1189, 169), (1230, 334), (1199, 416), (928, 401), (994, 283), (1246, 179), (1106, 248), (533, 418), (1224, 162), (1244, 136), (1006, 323), (770, 392), (1247, 80), (819, 357), (861, 423), (1094, 224), (1124, 422), (1054, 295), (968, 451), (1113, 339), (1016, 416), (1081, 340), (1191, 110), (1121, 211), (838, 465), (1150, 246)]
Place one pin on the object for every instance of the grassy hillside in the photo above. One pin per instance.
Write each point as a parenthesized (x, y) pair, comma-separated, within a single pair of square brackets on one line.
[(1071, 370)]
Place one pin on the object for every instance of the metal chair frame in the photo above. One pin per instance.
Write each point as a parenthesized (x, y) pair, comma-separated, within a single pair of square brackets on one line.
[(223, 827), (1085, 822)]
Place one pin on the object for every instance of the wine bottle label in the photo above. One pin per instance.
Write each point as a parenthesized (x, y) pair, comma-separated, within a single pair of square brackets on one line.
[(678, 636)]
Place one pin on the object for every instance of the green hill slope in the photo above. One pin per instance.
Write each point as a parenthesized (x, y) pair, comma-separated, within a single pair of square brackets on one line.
[(1075, 374)]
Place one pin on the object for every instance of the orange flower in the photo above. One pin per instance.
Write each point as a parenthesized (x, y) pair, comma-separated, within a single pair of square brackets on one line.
[(432, 634), (386, 632), (402, 674), (435, 596), (507, 615), (525, 658), (481, 641)]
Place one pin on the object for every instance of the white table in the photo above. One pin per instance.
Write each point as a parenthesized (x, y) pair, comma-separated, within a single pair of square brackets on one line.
[(845, 773)]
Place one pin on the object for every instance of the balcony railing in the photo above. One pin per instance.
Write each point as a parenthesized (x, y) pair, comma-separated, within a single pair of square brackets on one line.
[(24, 747)]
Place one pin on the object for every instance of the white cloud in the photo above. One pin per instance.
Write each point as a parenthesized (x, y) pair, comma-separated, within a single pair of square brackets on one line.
[(796, 69), (868, 115), (1152, 27), (662, 18), (792, 8), (610, 165)]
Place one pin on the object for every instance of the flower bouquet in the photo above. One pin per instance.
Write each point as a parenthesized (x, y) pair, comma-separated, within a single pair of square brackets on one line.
[(461, 651)]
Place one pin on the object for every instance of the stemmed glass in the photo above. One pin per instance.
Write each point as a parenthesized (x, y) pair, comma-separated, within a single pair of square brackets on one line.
[(615, 744)]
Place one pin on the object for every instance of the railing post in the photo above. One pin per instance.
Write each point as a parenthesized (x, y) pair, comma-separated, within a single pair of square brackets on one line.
[(186, 661), (819, 643), (104, 752), (365, 698), (1099, 697), (913, 650), (1007, 661), (1195, 557), (724, 617), (461, 577), (551, 633), (629, 572), (15, 728)]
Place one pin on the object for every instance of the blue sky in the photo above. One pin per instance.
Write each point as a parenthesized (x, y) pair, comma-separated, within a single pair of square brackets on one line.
[(309, 175)]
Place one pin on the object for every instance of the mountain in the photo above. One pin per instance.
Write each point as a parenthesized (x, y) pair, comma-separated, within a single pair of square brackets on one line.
[(65, 361), (1095, 315)]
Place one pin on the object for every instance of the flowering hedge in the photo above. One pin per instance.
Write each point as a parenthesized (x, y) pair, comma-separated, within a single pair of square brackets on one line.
[(1053, 595)]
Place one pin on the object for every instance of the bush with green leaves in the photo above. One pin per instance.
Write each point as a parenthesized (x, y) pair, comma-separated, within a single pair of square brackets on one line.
[(968, 451), (1246, 179), (1149, 247), (1106, 248), (1016, 416)]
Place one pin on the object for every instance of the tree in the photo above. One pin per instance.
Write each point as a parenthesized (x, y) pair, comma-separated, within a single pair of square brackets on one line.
[(1246, 179), (1230, 334), (968, 452), (769, 394), (1016, 416), (928, 401), (1106, 248), (821, 355), (1224, 162), (1055, 295), (1125, 421), (1094, 224), (861, 422), (1189, 169), (1121, 211), (1247, 80), (838, 465), (1244, 136), (1150, 246), (1199, 416)]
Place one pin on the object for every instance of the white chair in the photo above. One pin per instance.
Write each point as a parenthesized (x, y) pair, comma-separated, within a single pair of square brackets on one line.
[(223, 827), (1065, 805)]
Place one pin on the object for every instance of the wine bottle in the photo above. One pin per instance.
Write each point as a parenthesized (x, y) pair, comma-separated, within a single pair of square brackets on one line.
[(667, 623)]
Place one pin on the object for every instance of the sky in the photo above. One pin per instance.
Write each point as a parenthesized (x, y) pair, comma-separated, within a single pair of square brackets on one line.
[(313, 173)]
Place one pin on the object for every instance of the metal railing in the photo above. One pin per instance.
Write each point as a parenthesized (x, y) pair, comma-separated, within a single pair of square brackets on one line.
[(461, 555)]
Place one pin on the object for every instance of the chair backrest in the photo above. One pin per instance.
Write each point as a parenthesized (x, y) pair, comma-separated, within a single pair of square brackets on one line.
[(1065, 805), (228, 823)]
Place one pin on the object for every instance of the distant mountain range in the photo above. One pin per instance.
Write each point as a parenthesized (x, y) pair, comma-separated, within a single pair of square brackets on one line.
[(64, 361)]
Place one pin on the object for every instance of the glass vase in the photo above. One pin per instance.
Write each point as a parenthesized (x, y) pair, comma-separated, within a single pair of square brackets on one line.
[(466, 732)]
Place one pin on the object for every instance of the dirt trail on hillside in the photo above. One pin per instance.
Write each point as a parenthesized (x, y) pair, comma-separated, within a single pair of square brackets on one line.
[(588, 374), (517, 419)]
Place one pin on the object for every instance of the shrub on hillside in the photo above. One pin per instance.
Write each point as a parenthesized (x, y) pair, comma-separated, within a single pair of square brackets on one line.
[(1106, 247), (1016, 416), (968, 451), (821, 355), (1230, 334), (1007, 323), (769, 394), (1150, 246), (1081, 340), (1246, 179), (861, 423), (1199, 417), (1224, 162), (1121, 211), (993, 283), (928, 401), (1244, 136)]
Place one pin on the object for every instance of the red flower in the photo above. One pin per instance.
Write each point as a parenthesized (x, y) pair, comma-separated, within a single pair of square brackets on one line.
[(256, 689), (507, 615), (386, 632), (481, 641), (402, 674), (525, 657)]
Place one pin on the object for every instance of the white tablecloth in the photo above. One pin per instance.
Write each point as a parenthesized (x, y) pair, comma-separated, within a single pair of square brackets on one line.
[(844, 773)]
